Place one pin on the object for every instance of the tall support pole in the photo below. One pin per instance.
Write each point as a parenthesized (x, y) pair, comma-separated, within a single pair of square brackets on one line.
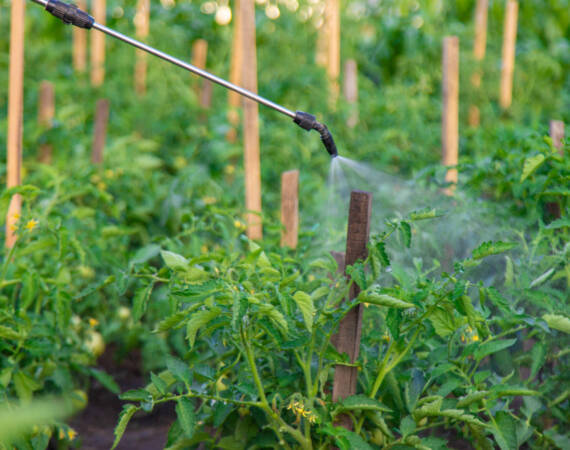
[(333, 57), (252, 164), (46, 113), (479, 47), (234, 99), (142, 23), (350, 88), (450, 118), (508, 61), (98, 45), (347, 339), (290, 208), (557, 134), (80, 43), (15, 115), (202, 88)]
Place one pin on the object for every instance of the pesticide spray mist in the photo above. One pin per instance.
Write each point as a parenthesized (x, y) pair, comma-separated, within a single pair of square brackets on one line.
[(464, 224)]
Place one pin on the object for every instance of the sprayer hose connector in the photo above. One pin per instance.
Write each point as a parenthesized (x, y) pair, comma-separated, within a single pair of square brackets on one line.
[(309, 122), (69, 14)]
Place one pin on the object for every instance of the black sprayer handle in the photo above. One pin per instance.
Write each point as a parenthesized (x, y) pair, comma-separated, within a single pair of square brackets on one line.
[(69, 14), (309, 122)]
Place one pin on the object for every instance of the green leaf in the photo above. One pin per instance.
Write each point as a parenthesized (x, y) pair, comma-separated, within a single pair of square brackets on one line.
[(538, 358), (383, 254), (159, 383), (320, 292), (425, 214), (9, 333), (356, 442), (174, 321), (276, 317), (459, 414), (442, 322), (124, 418), (541, 279), (492, 248), (305, 304), (25, 386), (179, 369), (429, 409), (174, 261), (383, 300), (356, 272), (106, 380), (329, 264), (406, 231), (363, 403), (144, 254), (498, 300), (136, 395), (197, 321), (488, 348), (186, 416), (506, 431), (531, 164), (472, 398), (140, 301), (564, 222), (557, 322)]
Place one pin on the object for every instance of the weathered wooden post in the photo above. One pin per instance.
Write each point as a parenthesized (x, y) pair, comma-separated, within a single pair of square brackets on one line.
[(252, 167), (15, 116), (202, 87), (142, 24), (290, 208), (450, 118), (100, 130), (234, 99), (351, 91), (479, 47), (98, 45), (556, 134), (508, 60), (80, 43), (46, 113), (333, 57), (347, 339)]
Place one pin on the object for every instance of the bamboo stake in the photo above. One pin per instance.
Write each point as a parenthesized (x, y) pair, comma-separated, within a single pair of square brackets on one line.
[(100, 130), (557, 134), (250, 123), (202, 88), (98, 45), (15, 116), (450, 119), (351, 91), (348, 337), (479, 47), (333, 57), (142, 24), (80, 43), (290, 208), (46, 113), (509, 42), (234, 99)]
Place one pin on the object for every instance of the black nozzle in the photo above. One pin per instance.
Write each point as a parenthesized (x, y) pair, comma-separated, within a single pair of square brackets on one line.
[(309, 122), (70, 14)]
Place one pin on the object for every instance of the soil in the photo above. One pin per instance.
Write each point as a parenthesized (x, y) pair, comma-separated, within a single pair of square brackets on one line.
[(96, 423)]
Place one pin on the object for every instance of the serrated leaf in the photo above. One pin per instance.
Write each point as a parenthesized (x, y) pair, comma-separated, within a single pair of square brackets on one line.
[(174, 321), (488, 348), (197, 321), (538, 358), (506, 431), (383, 254), (305, 303), (159, 383), (186, 416), (174, 261), (320, 292), (9, 333), (179, 369), (356, 442), (442, 322), (276, 317), (531, 164), (472, 398), (356, 272), (425, 214), (140, 301), (363, 403), (144, 254), (428, 409), (124, 418), (492, 248), (106, 380), (328, 264), (459, 414), (383, 300), (557, 322), (406, 231), (498, 300), (541, 279), (564, 222), (136, 395)]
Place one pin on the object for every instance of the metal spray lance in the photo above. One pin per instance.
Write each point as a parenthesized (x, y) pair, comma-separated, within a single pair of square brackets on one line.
[(71, 14)]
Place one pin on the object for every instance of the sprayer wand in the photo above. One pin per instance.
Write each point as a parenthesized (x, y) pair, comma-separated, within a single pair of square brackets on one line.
[(71, 14)]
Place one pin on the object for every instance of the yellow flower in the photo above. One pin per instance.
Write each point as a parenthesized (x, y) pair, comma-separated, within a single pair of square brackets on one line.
[(71, 433), (31, 224), (230, 169), (204, 249), (16, 216), (93, 322), (101, 186), (239, 225), (311, 278), (209, 200), (475, 338), (462, 338), (109, 173)]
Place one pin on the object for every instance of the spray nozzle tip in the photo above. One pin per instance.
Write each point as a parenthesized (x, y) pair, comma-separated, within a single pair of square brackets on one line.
[(309, 122)]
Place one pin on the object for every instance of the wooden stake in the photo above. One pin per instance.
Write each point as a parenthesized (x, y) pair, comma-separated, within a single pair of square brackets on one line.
[(250, 123), (348, 336), (479, 47), (450, 118), (98, 45), (142, 24), (15, 116), (202, 87), (557, 134), (508, 66), (290, 208), (322, 50), (234, 99), (80, 43), (333, 57), (351, 91), (46, 113), (100, 131)]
